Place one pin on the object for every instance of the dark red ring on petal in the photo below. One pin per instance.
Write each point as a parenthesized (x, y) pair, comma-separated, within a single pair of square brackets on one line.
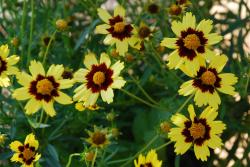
[(3, 65)]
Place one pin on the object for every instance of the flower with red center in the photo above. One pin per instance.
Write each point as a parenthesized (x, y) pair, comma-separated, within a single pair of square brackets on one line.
[(98, 78), (192, 43), (25, 153), (42, 89), (202, 132), (207, 80), (118, 31), (6, 65), (150, 160)]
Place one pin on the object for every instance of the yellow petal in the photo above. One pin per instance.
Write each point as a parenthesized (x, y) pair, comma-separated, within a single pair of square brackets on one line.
[(4, 51), (122, 47), (36, 68), (227, 89), (174, 60), (194, 65), (108, 95), (80, 92), (117, 67), (201, 152), (177, 27), (179, 119), (228, 79), (30, 139), (205, 26), (187, 71), (89, 60), (189, 20), (105, 59), (119, 10), (109, 40), (191, 112), (104, 15), (4, 81), (49, 108), (209, 114), (14, 146), (15, 158), (214, 142), (209, 55), (187, 88), (56, 71), (24, 79), (65, 83), (135, 42), (213, 99), (217, 127), (32, 106), (102, 29), (12, 70), (213, 38), (63, 98), (12, 60), (118, 83), (169, 43), (80, 75), (218, 62), (21, 93), (91, 99)]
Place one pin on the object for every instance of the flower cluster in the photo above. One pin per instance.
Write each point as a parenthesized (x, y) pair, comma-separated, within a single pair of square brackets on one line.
[(193, 55)]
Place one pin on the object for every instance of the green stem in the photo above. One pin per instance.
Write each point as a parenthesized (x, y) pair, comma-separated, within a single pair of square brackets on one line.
[(93, 162), (185, 103), (138, 98), (24, 14), (47, 48), (163, 145), (142, 150), (41, 117), (246, 87), (143, 91), (70, 158), (31, 31)]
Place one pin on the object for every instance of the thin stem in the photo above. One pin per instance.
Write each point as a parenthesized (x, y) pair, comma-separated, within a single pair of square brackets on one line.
[(93, 162), (143, 91), (47, 48), (31, 30), (142, 150), (41, 117), (247, 82), (70, 158), (24, 14), (185, 103), (163, 145), (138, 98)]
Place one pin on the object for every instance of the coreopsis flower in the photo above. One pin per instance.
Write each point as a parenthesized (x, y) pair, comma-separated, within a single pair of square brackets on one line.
[(207, 81), (6, 65), (118, 31), (42, 89), (151, 160), (26, 153), (98, 138), (191, 44), (81, 107), (202, 132), (98, 78)]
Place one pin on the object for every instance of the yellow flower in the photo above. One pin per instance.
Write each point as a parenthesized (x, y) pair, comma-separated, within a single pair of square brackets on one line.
[(6, 65), (118, 31), (42, 89), (98, 138), (191, 44), (81, 107), (2, 139), (98, 78), (151, 160), (200, 131), (25, 153), (207, 81)]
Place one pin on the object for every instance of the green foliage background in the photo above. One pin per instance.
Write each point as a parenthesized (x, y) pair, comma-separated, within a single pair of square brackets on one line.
[(138, 123)]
